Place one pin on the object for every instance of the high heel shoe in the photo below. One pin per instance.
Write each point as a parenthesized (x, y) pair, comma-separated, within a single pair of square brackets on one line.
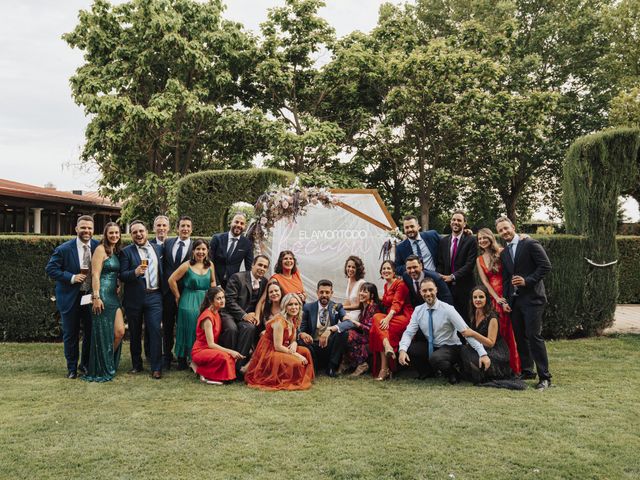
[(384, 374), (360, 369), (388, 351)]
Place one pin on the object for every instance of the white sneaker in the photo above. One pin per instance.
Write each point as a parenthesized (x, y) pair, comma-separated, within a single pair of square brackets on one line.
[(209, 382)]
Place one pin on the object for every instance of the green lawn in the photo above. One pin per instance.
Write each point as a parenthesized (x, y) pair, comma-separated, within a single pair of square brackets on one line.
[(587, 426)]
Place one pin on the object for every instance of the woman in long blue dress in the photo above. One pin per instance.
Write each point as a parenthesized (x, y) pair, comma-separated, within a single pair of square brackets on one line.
[(107, 321), (197, 276)]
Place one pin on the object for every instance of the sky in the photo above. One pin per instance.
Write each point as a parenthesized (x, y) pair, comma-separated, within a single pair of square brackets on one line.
[(42, 129)]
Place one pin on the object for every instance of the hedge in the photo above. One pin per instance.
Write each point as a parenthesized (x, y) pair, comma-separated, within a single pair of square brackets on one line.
[(29, 313), (207, 196)]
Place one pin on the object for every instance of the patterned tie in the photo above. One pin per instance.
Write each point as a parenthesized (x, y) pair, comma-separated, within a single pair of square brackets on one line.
[(453, 254), (152, 269), (418, 251), (324, 316), (430, 332), (232, 246), (86, 263), (179, 252)]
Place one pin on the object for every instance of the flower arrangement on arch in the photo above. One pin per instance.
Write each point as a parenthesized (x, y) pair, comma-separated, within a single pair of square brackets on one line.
[(286, 202)]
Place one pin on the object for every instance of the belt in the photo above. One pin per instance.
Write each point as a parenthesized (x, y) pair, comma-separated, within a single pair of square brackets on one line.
[(151, 290)]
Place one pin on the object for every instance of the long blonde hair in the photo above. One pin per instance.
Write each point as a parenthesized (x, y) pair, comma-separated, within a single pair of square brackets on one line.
[(493, 250), (283, 308)]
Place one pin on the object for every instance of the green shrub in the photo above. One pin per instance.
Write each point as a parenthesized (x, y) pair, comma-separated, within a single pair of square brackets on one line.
[(29, 313), (207, 196)]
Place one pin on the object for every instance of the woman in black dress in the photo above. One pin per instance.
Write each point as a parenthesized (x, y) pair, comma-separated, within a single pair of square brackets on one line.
[(484, 328)]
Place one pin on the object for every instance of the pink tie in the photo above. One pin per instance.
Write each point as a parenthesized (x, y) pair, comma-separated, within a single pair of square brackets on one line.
[(453, 253)]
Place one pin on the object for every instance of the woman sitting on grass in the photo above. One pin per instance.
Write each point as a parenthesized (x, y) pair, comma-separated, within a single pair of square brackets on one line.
[(358, 350), (214, 363)]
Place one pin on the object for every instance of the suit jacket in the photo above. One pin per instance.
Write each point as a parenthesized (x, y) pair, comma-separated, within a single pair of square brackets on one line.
[(238, 294), (62, 266), (464, 262), (336, 315), (533, 264), (404, 249), (134, 288), (444, 294), (168, 264), (226, 266)]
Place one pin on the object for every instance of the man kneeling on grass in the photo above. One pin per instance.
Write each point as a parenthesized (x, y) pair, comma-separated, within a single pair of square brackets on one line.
[(439, 323)]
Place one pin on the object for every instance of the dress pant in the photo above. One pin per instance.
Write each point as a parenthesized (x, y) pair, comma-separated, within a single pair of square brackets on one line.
[(331, 355), (148, 311), (79, 316), (240, 336), (443, 359), (169, 313), (527, 328)]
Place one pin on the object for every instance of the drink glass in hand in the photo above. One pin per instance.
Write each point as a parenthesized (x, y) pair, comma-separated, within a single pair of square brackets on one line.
[(144, 262), (84, 270)]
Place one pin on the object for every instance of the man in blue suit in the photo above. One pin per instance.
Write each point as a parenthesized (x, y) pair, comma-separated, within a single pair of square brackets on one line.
[(323, 330), (421, 244), (415, 274), (228, 250), (143, 296), (65, 266)]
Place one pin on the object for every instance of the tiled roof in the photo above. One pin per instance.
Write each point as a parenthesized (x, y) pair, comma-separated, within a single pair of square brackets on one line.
[(10, 188)]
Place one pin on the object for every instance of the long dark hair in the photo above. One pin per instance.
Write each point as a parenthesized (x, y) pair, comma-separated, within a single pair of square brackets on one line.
[(373, 291), (266, 311), (278, 268), (391, 263), (115, 249), (359, 267), (192, 260), (487, 310), (209, 296)]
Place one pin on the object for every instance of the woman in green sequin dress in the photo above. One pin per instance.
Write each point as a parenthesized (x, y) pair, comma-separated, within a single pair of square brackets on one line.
[(107, 321), (197, 276)]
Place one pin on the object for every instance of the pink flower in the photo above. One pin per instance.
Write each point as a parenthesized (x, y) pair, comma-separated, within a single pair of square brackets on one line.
[(263, 220)]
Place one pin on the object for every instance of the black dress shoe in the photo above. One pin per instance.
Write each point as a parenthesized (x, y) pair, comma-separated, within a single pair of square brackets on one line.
[(527, 376), (331, 372), (156, 375), (135, 370), (72, 375), (543, 385)]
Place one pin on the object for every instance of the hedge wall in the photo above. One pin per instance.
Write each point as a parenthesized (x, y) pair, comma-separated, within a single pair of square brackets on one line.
[(207, 196), (28, 312)]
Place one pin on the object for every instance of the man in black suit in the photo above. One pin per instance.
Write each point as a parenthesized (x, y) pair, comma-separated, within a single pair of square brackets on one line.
[(457, 255), (229, 249), (525, 263), (240, 325), (323, 329), (176, 251), (415, 274)]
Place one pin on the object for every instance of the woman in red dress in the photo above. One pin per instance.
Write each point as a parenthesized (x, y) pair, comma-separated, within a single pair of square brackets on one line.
[(388, 328), (214, 363), (278, 363), (490, 271)]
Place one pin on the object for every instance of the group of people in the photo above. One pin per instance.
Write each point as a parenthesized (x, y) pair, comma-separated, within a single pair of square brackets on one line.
[(230, 324)]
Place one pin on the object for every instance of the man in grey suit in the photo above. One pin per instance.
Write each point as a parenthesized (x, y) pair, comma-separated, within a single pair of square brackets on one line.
[(239, 321)]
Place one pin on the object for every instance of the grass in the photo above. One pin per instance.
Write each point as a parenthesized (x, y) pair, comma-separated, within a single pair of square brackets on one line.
[(585, 427)]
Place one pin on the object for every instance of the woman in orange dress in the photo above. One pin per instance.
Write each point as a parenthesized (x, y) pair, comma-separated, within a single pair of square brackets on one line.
[(278, 363), (288, 275), (388, 328), (490, 271), (214, 363)]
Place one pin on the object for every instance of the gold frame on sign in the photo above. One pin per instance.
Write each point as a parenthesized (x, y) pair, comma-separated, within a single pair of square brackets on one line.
[(372, 191)]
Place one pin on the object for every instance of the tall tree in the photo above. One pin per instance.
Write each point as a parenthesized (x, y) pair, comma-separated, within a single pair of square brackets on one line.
[(161, 82)]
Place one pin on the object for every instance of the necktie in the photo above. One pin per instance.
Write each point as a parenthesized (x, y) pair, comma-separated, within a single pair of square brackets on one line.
[(511, 251), (86, 264), (232, 246), (178, 258), (453, 254), (415, 283), (430, 332), (418, 251), (151, 269), (324, 315)]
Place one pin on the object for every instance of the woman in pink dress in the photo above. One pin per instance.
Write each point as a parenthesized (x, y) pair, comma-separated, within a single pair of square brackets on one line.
[(214, 363), (490, 271)]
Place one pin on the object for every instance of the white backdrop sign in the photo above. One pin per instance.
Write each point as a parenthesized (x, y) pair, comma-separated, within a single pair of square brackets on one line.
[(323, 239)]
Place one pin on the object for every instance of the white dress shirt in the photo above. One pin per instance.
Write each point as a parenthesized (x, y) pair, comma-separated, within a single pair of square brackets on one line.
[(80, 248), (176, 245)]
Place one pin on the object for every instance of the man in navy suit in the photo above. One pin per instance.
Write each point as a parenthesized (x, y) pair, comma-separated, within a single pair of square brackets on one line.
[(415, 274), (143, 296), (323, 330), (229, 249), (524, 264), (421, 244), (176, 251), (456, 262), (65, 267)]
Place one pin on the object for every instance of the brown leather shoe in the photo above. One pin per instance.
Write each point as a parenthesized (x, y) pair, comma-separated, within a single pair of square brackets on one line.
[(156, 375)]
